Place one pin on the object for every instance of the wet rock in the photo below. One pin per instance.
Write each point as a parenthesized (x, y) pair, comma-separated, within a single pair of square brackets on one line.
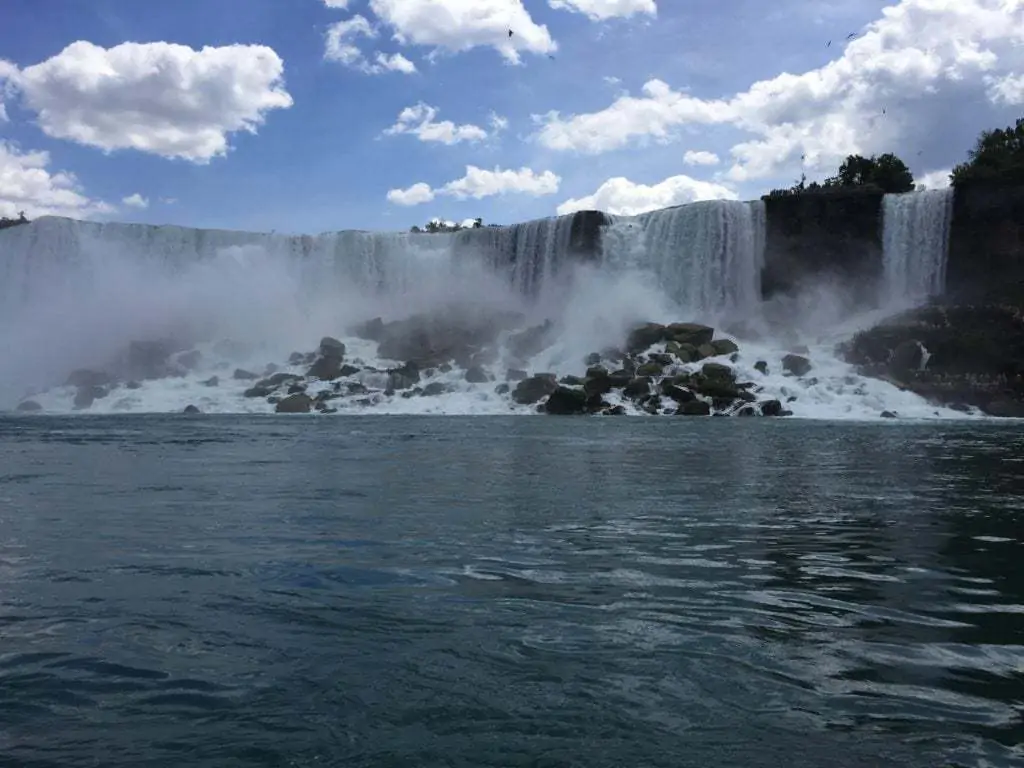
[(638, 387), (694, 408), (278, 379), (258, 391), (530, 342), (296, 358), (133, 385), (651, 368), (371, 330), (644, 336), (747, 410), (86, 396), (298, 403), (325, 368), (270, 369), (404, 377), (598, 382), (771, 408), (889, 415), (241, 374), (690, 333), (704, 351), (597, 372), (677, 393), (477, 375), (594, 358), (356, 388), (191, 409), (725, 346), (906, 357), (534, 388), (189, 360), (762, 367), (296, 389), (565, 401), (150, 359), (615, 410), (515, 374), (331, 348), (502, 389), (29, 406), (572, 381), (434, 388), (213, 381), (347, 370), (718, 371), (796, 365)]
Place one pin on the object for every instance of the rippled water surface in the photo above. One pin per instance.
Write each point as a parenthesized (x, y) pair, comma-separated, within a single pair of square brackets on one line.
[(509, 592)]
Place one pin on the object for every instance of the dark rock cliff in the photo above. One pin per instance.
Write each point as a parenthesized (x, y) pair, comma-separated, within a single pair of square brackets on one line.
[(986, 245), (823, 236)]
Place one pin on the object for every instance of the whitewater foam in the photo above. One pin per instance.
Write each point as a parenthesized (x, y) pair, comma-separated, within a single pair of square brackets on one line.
[(915, 246)]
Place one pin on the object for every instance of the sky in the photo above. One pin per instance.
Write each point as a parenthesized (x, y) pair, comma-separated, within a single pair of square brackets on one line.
[(306, 116)]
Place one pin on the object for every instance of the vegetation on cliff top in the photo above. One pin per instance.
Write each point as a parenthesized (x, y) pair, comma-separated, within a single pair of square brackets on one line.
[(6, 222), (437, 225), (882, 173), (997, 156)]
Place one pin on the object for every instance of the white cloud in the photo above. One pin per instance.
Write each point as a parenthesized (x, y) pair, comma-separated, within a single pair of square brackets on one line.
[(459, 25), (27, 185), (935, 179), (700, 158), (339, 4), (479, 183), (341, 47), (913, 62), (135, 201), (168, 200), (419, 121), (161, 98), (601, 10), (498, 122), (622, 197)]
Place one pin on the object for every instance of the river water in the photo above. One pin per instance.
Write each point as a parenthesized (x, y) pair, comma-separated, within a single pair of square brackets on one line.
[(418, 591)]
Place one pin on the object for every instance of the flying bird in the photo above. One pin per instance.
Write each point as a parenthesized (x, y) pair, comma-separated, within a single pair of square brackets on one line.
[(828, 44), (510, 33), (852, 35)]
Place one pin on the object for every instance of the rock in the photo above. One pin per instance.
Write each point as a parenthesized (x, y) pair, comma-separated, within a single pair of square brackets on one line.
[(404, 377), (747, 410), (762, 367), (296, 389), (213, 381), (677, 393), (535, 388), (258, 391), (650, 369), (516, 374), (433, 389), (371, 330), (771, 408), (566, 401), (725, 346), (355, 388), (347, 370), (572, 381), (325, 368), (150, 359), (644, 336), (133, 385), (906, 357), (694, 408), (530, 342), (88, 378), (270, 369), (598, 384), (889, 415), (502, 389), (594, 358), (298, 403), (703, 351), (29, 406), (718, 371), (296, 358), (690, 333), (638, 387), (191, 409), (278, 379), (597, 372), (241, 374), (331, 348), (86, 396), (615, 410), (796, 365), (477, 375), (189, 360)]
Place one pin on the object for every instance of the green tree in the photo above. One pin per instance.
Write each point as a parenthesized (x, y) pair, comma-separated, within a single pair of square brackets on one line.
[(998, 155), (886, 172), (5, 222)]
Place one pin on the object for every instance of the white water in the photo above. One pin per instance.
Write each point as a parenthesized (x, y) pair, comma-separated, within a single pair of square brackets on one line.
[(73, 295), (915, 244)]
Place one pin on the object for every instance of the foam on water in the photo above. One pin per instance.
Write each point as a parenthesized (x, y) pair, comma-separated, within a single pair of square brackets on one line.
[(75, 293)]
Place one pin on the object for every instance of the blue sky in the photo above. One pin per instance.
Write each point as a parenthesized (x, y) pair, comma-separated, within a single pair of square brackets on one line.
[(646, 103)]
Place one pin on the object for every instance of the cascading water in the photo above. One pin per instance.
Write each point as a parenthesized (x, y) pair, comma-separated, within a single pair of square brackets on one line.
[(915, 244), (706, 256)]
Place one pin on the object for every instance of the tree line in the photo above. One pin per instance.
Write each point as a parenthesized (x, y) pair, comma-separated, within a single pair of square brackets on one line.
[(997, 156), (6, 222)]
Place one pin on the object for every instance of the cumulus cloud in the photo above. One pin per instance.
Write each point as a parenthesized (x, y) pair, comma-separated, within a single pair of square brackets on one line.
[(419, 121), (161, 98), (135, 201), (622, 197), (339, 4), (602, 10), (341, 47), (891, 86), (459, 25), (935, 179), (479, 183), (26, 184), (700, 158)]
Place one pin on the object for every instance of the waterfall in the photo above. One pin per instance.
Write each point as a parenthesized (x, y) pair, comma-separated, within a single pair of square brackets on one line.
[(706, 256), (915, 244)]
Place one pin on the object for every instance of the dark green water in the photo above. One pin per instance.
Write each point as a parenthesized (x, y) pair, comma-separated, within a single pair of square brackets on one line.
[(509, 592)]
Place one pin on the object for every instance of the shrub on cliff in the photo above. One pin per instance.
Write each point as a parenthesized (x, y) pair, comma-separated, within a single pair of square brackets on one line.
[(998, 155), (882, 173), (6, 222)]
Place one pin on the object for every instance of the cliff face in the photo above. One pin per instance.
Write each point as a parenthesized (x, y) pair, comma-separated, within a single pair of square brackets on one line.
[(834, 236), (986, 245)]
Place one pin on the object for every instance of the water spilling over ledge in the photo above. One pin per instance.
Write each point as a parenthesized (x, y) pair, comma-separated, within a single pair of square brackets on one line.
[(474, 313)]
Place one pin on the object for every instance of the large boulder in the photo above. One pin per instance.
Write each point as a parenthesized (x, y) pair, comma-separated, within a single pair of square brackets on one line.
[(565, 401), (298, 403), (534, 389), (690, 333), (150, 359), (644, 336), (797, 365)]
